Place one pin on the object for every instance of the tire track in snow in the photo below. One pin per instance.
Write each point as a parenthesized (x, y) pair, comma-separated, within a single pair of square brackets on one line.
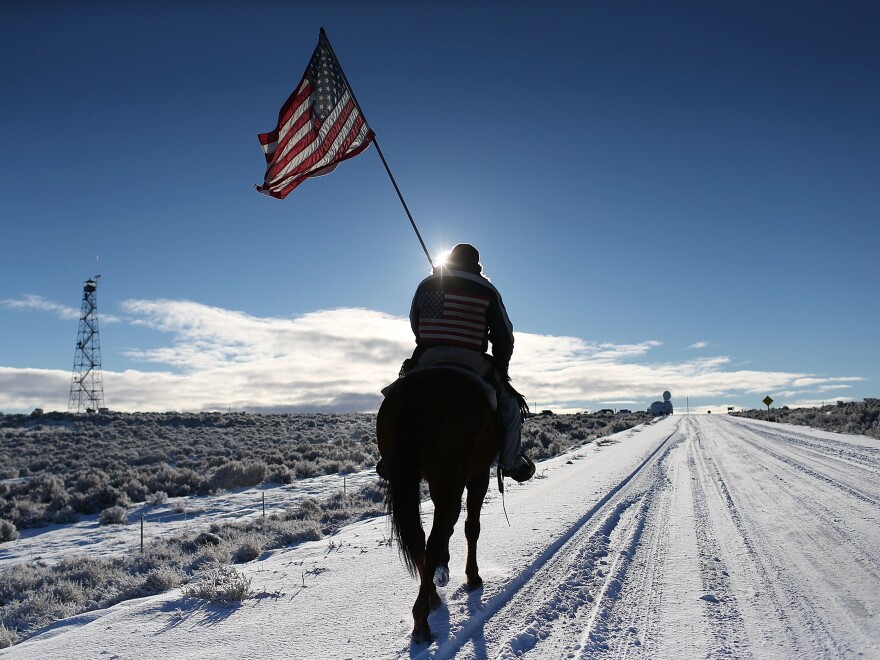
[(663, 586), (637, 610), (802, 625), (720, 601), (831, 520), (584, 596), (567, 565), (597, 634), (834, 527), (801, 466), (838, 451)]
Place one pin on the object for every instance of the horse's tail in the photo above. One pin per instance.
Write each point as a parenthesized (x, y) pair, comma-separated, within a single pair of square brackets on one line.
[(403, 499)]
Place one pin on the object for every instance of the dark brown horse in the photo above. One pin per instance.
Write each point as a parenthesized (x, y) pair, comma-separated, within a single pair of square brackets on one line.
[(436, 425)]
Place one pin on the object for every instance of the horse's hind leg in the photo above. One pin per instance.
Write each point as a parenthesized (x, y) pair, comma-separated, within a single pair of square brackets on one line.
[(476, 491), (421, 608), (447, 507), (424, 603)]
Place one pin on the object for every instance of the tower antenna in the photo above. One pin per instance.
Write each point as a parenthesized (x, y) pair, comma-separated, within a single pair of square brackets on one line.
[(87, 384)]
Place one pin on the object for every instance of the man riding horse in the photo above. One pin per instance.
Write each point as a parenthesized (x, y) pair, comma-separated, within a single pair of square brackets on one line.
[(456, 313)]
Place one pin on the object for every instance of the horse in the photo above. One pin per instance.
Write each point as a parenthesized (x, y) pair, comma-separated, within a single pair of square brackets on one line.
[(435, 424)]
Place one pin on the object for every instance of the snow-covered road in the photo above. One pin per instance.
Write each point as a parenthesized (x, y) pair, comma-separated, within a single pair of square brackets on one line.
[(694, 537)]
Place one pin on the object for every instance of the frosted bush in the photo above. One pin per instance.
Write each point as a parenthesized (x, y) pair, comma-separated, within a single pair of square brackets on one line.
[(91, 480), (238, 474), (859, 417), (308, 509), (162, 579), (223, 584), (279, 474), (208, 555), (157, 498), (114, 515), (7, 637), (65, 516), (136, 491), (295, 531), (28, 514), (69, 592), (8, 532), (245, 553)]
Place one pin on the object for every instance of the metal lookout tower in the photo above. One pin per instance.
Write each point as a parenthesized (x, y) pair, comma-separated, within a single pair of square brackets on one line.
[(87, 386)]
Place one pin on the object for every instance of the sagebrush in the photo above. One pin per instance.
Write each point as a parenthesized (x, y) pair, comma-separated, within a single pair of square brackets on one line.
[(56, 466), (858, 417)]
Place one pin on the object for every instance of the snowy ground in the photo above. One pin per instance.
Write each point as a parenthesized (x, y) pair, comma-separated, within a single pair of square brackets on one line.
[(698, 536), (179, 515)]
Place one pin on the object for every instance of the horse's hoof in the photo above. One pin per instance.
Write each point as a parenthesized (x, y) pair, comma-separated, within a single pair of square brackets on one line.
[(441, 576), (474, 583)]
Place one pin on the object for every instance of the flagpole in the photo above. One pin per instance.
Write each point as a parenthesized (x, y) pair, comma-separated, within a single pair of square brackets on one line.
[(378, 150), (405, 208)]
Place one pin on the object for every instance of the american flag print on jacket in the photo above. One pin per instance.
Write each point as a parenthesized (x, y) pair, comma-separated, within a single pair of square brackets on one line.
[(457, 308), (449, 317)]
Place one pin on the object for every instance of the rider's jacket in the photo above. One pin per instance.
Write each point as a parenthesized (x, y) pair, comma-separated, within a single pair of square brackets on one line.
[(458, 308)]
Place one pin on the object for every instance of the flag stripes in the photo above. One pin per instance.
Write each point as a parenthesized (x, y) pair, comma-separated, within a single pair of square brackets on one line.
[(319, 126)]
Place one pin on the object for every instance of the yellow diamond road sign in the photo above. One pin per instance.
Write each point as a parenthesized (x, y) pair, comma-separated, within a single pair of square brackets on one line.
[(767, 400)]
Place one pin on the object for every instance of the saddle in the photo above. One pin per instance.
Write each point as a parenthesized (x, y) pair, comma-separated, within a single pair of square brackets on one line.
[(487, 388)]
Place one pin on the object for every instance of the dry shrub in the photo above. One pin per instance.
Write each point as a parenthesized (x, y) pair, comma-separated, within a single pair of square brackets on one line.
[(245, 553), (162, 579), (220, 584), (7, 637), (157, 498), (65, 515), (114, 515), (8, 532), (238, 474)]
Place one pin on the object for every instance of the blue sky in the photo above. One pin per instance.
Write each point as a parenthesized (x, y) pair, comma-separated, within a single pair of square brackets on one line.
[(677, 196)]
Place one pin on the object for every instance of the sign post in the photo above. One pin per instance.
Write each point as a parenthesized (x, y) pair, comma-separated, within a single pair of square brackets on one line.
[(767, 402)]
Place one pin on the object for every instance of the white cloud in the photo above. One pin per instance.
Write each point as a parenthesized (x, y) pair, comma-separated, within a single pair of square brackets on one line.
[(25, 389), (835, 386), (30, 303), (822, 384), (340, 359), (33, 303), (699, 344)]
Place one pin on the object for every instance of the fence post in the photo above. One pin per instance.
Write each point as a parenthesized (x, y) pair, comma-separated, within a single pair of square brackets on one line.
[(142, 533), (264, 505)]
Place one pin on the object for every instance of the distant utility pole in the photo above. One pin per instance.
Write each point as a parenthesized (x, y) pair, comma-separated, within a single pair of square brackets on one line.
[(87, 385)]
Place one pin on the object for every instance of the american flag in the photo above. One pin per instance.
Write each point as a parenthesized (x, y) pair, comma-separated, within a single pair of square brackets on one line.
[(447, 317), (319, 126)]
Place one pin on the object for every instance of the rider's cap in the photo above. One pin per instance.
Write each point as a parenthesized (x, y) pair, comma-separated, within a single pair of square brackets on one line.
[(464, 256)]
